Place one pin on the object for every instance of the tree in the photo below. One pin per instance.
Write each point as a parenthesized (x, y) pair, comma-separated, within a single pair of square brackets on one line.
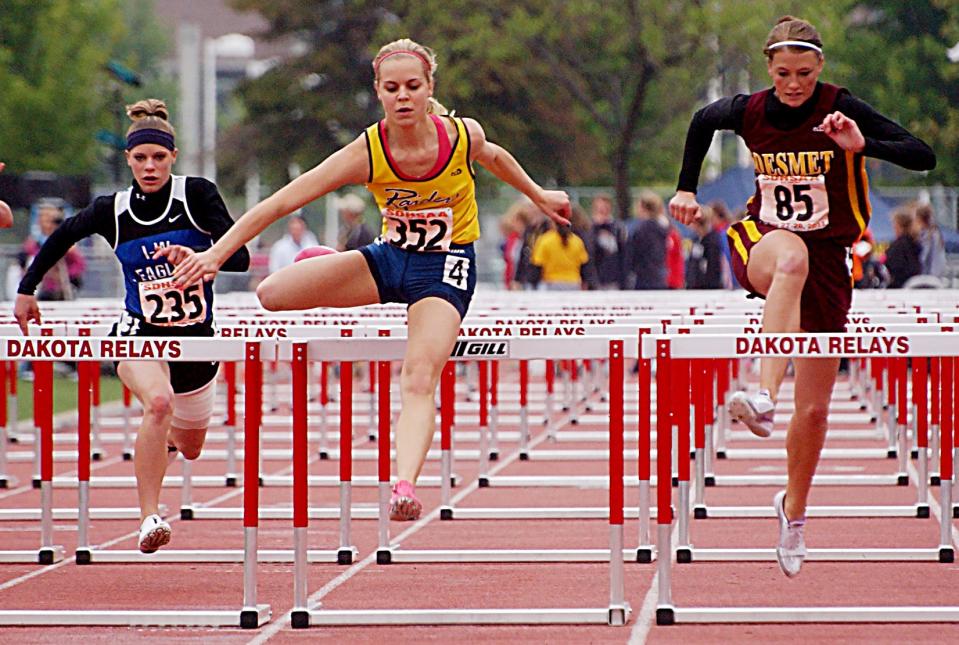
[(52, 54)]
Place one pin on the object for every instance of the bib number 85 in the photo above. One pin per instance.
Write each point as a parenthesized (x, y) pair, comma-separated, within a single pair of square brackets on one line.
[(785, 200), (175, 307)]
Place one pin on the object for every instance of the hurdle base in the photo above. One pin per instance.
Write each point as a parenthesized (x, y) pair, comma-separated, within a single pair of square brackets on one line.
[(96, 455), (127, 618), (299, 619), (36, 483), (531, 616), (345, 554), (493, 455), (186, 513), (922, 511), (684, 555), (955, 512), (446, 513), (4, 483), (914, 454), (764, 615), (720, 454), (700, 513), (946, 554), (50, 554), (483, 482), (384, 556), (324, 456), (710, 480), (935, 480), (127, 456), (230, 481), (902, 480), (665, 616), (83, 556), (891, 454), (524, 456), (644, 554), (253, 617), (618, 615)]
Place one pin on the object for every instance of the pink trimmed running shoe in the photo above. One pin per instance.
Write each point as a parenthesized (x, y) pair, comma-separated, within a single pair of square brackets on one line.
[(404, 507)]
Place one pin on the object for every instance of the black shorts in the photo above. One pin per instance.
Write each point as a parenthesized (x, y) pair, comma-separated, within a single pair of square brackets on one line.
[(184, 376)]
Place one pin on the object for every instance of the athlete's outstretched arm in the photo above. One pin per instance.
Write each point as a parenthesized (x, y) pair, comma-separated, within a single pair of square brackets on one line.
[(501, 163), (349, 165)]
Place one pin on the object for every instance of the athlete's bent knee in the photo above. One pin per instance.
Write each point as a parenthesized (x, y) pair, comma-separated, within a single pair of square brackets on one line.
[(813, 416), (268, 294), (159, 405), (190, 452), (793, 263)]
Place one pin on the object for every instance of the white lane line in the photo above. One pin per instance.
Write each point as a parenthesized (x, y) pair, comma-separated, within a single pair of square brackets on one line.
[(276, 625)]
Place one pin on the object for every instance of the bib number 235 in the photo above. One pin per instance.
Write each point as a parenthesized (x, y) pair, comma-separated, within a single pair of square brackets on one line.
[(168, 306)]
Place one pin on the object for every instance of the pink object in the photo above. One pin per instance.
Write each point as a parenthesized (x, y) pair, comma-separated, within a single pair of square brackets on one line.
[(313, 252), (404, 506)]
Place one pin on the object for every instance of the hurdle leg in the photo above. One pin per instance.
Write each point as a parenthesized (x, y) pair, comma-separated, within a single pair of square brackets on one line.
[(447, 393), (700, 402), (524, 410), (493, 410), (299, 615), (84, 388), (346, 550), (576, 396), (252, 615), (665, 614), (127, 424), (920, 424), (13, 409), (43, 396), (229, 377), (186, 490), (4, 437), (644, 552), (946, 462), (550, 382), (384, 553), (371, 431), (96, 446), (618, 608), (482, 478)]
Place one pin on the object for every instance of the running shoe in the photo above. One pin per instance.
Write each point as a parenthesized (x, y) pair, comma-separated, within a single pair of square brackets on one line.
[(404, 507), (791, 550), (756, 411), (154, 533)]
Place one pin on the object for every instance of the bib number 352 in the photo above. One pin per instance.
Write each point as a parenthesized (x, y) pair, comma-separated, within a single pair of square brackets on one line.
[(167, 306), (794, 203), (425, 231)]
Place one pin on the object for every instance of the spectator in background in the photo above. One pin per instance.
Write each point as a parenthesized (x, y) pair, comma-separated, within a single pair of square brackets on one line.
[(354, 232), (527, 275), (902, 256), (932, 255), (867, 271), (512, 225), (607, 242), (298, 237), (704, 266), (581, 226), (66, 276), (6, 215), (722, 218), (646, 245), (560, 255)]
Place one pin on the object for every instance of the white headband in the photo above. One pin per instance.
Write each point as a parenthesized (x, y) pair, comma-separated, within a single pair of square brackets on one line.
[(796, 43)]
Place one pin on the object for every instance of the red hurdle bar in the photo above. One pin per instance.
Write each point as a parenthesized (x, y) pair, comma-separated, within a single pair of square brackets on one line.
[(483, 475), (253, 415), (301, 474), (346, 550), (493, 410), (524, 410), (229, 376), (664, 511), (618, 609), (920, 369), (447, 399), (644, 552), (84, 400), (946, 427), (384, 553)]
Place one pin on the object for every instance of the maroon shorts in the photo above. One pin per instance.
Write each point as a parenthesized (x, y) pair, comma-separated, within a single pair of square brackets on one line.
[(827, 294)]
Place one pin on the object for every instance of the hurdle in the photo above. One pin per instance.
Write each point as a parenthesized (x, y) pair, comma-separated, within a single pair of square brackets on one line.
[(668, 349), (388, 349), (85, 350)]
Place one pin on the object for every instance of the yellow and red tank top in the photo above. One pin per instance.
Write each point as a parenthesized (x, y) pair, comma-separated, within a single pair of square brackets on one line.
[(428, 213)]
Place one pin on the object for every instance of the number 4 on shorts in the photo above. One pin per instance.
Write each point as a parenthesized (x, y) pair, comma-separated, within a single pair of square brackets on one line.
[(456, 271)]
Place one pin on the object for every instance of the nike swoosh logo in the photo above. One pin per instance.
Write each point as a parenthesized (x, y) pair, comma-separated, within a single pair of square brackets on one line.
[(458, 171), (173, 219)]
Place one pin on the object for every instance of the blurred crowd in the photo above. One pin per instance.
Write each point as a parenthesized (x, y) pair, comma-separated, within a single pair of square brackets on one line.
[(652, 251), (600, 251)]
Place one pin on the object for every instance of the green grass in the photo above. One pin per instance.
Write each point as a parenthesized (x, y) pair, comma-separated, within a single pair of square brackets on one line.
[(64, 395)]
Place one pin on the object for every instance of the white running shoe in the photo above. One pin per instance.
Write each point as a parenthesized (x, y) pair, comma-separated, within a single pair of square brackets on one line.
[(756, 411), (791, 550), (154, 533)]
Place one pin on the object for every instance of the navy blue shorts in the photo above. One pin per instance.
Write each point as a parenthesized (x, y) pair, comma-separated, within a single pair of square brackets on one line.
[(410, 276)]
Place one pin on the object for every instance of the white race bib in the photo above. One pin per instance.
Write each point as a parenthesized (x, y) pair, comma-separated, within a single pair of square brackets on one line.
[(165, 305), (795, 203), (423, 230)]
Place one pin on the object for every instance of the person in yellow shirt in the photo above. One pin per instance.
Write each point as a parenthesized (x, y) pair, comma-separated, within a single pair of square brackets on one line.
[(560, 254), (418, 164)]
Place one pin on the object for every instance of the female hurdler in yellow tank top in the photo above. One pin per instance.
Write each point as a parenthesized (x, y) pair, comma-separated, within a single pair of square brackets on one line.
[(425, 256)]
